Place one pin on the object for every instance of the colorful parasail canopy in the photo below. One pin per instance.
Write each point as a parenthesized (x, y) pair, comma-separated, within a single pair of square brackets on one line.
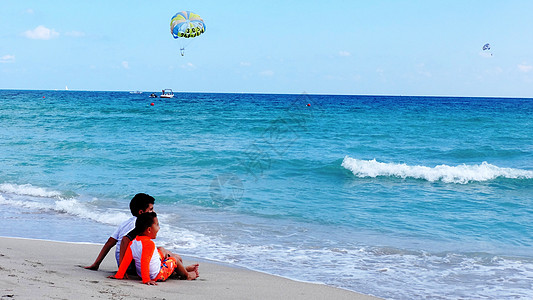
[(186, 24)]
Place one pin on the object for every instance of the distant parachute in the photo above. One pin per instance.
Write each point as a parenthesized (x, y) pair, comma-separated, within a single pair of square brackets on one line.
[(486, 50), (184, 26)]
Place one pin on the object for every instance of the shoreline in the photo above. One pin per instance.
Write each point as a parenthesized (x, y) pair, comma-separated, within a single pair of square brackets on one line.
[(32, 268)]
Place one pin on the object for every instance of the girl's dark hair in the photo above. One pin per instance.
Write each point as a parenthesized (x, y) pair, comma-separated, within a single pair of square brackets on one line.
[(141, 201), (144, 221)]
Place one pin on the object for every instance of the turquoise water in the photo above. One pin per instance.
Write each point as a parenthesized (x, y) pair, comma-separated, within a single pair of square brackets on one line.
[(399, 197)]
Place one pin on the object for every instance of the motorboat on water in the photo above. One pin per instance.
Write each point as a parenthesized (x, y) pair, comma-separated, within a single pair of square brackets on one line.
[(167, 93)]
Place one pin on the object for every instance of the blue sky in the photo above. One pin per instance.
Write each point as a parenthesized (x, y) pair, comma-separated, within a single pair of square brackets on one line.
[(320, 47)]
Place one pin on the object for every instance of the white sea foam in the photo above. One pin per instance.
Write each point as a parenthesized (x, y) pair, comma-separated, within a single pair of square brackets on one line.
[(450, 174), (71, 207), (379, 271), (41, 199), (28, 190), (76, 208)]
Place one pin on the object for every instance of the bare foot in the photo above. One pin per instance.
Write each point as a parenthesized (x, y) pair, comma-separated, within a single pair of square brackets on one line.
[(192, 275), (91, 267), (192, 268)]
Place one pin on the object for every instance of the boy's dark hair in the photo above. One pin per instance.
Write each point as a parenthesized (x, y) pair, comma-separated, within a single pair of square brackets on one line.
[(144, 221), (140, 201)]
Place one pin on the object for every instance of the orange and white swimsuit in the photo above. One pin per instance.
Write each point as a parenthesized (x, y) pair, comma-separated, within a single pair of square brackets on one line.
[(149, 263)]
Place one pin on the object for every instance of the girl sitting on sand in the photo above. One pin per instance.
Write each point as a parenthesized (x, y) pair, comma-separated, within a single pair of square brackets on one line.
[(151, 264)]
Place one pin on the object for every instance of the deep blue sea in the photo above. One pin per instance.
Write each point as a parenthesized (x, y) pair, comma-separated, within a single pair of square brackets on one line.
[(398, 197)]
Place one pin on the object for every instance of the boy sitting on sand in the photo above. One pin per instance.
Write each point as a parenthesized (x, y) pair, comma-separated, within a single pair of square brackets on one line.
[(151, 264), (126, 240), (139, 204)]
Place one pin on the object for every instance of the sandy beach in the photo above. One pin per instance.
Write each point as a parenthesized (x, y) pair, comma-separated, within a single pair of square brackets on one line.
[(36, 269)]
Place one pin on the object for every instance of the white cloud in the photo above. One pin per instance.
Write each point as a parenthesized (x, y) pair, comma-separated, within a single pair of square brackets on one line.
[(245, 64), (41, 33), (7, 59), (267, 73), (485, 54), (188, 66), (30, 11), (525, 68), (344, 53), (125, 65)]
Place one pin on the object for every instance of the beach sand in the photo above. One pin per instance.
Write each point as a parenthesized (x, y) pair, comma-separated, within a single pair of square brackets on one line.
[(36, 269)]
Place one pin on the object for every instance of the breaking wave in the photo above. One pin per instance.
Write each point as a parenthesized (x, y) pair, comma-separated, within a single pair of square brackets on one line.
[(37, 199), (461, 174)]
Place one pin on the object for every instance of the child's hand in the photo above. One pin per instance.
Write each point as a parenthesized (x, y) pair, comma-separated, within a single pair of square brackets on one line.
[(151, 282)]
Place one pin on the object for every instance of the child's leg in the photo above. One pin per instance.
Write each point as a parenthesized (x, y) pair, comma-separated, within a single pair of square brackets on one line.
[(189, 272), (166, 253)]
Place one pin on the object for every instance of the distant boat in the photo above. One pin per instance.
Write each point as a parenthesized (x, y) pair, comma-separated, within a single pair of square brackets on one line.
[(136, 92), (167, 93), (153, 95), (66, 88)]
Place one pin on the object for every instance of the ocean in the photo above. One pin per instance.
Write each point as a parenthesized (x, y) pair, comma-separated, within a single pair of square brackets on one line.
[(398, 197)]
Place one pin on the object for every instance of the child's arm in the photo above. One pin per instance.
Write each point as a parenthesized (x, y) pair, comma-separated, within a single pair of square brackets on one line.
[(124, 243), (105, 249), (146, 256)]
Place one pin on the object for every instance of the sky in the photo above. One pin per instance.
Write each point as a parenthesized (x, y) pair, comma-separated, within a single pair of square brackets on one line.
[(424, 48)]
